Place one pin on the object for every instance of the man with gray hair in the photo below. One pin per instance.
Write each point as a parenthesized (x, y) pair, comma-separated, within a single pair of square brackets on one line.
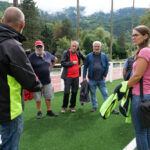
[(97, 65), (71, 64), (16, 74)]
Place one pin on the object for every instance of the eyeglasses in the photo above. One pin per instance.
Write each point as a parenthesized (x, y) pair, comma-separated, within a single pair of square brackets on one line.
[(39, 46), (135, 35)]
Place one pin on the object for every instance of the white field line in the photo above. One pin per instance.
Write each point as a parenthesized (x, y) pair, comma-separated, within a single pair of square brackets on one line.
[(131, 145)]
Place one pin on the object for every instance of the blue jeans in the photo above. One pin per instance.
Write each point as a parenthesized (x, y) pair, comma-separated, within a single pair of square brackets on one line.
[(142, 134), (102, 87), (10, 133)]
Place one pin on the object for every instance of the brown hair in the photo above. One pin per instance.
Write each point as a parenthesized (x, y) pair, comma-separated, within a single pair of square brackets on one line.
[(142, 29)]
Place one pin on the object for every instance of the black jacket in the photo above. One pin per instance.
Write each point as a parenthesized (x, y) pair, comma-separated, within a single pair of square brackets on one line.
[(129, 68), (15, 73), (66, 63), (84, 92)]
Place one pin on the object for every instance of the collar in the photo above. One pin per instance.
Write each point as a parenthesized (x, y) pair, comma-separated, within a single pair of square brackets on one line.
[(8, 32), (96, 55), (72, 53)]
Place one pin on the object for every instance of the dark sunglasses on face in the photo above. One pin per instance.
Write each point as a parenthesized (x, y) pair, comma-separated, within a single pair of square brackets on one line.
[(39, 46)]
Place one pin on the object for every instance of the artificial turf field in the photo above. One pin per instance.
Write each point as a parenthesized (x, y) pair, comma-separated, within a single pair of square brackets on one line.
[(83, 130)]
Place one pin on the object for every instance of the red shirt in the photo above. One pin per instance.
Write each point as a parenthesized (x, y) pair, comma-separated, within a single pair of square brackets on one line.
[(73, 72)]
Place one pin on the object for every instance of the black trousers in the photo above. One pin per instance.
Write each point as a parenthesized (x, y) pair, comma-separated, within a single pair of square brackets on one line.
[(73, 85)]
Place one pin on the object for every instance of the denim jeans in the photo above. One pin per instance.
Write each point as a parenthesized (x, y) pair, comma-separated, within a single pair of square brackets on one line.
[(102, 87), (142, 134), (10, 133)]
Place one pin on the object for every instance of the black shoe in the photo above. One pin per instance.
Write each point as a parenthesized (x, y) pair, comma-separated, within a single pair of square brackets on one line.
[(51, 114), (93, 109), (39, 115), (115, 112)]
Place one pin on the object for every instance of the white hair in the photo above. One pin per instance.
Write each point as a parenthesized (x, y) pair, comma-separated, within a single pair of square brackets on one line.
[(97, 42), (77, 43)]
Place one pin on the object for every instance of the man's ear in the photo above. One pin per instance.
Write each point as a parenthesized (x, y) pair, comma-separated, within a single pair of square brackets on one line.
[(22, 25)]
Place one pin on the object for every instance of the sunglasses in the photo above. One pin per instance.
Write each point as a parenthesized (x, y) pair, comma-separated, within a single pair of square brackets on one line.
[(39, 46)]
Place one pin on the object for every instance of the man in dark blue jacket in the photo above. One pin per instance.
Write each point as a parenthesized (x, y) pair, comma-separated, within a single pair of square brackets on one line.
[(97, 65)]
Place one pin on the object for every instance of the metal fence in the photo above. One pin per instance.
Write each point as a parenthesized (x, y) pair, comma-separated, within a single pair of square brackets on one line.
[(114, 73)]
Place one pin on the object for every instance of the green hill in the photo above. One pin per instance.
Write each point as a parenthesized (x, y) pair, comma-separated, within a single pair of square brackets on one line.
[(122, 18), (3, 6)]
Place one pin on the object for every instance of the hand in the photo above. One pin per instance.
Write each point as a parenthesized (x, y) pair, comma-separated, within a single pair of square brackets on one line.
[(75, 62), (51, 67), (84, 79), (104, 78)]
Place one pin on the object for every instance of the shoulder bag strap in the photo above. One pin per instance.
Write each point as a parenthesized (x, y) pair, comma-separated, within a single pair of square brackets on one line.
[(141, 87)]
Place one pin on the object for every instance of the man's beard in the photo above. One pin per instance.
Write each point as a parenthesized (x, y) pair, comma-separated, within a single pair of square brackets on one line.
[(40, 52)]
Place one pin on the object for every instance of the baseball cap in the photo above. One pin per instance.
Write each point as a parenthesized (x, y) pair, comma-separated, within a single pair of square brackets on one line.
[(39, 43)]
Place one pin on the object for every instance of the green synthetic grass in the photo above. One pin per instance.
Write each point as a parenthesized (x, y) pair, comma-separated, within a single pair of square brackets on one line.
[(83, 130)]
